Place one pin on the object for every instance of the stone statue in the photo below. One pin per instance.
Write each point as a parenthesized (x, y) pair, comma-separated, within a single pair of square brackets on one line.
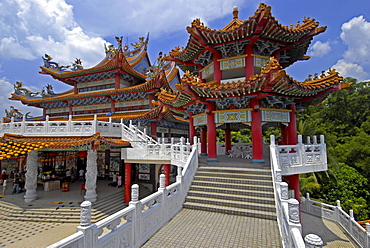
[(20, 90), (13, 112)]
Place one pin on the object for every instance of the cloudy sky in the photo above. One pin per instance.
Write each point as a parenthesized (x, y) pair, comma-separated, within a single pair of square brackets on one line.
[(69, 29)]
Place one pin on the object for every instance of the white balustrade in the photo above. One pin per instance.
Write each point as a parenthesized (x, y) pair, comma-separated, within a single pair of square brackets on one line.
[(301, 158), (286, 209), (135, 224), (335, 213)]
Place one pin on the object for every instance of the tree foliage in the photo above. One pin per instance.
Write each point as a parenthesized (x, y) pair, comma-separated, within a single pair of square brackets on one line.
[(344, 118)]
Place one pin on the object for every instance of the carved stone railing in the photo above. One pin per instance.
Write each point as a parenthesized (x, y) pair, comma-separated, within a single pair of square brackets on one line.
[(135, 224), (62, 128), (174, 153), (138, 138), (335, 213), (301, 158), (287, 210)]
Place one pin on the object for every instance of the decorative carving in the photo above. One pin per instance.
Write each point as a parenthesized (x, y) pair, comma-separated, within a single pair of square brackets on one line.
[(91, 175), (134, 192), (31, 177), (265, 48), (293, 210), (49, 90), (85, 215), (139, 43), (77, 65), (20, 90), (13, 112), (284, 191), (53, 65)]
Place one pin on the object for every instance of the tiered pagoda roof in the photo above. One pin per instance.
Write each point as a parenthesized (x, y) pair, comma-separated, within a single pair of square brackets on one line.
[(273, 81), (261, 29)]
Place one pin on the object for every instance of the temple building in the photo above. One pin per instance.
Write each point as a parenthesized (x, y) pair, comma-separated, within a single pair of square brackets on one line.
[(235, 78), (122, 88)]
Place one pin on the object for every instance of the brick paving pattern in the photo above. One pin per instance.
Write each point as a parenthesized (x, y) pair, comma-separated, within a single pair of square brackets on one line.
[(330, 232), (194, 228)]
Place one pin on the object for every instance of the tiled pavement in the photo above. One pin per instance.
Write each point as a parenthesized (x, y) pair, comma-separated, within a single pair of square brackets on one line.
[(330, 232), (200, 229), (194, 228)]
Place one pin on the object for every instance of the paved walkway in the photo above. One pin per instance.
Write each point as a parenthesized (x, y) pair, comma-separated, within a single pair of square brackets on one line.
[(194, 228), (24, 234), (330, 232)]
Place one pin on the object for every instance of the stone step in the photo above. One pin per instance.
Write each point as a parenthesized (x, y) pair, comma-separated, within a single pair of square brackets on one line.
[(231, 170), (235, 186), (226, 179), (231, 210), (234, 175), (231, 191), (242, 198), (231, 203)]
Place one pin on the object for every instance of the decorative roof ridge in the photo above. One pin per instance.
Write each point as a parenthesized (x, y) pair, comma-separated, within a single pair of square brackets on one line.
[(333, 77)]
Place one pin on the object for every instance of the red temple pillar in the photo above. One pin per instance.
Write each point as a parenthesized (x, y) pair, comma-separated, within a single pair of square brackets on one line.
[(203, 141), (249, 62), (70, 110), (192, 131), (284, 133), (257, 139), (227, 139), (153, 126), (117, 81), (167, 172), (211, 128), (216, 66), (112, 106), (75, 89), (127, 197), (293, 180)]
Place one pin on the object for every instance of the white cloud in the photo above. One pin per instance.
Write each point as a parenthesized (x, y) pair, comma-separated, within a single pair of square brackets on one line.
[(356, 34), (6, 90), (319, 49), (348, 69), (159, 17), (31, 28)]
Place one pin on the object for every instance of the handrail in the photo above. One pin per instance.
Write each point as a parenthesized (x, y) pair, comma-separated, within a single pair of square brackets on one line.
[(135, 224), (287, 210), (335, 213)]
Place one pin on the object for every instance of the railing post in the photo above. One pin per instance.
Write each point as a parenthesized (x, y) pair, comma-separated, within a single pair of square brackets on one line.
[(136, 216), (315, 140), (47, 124), (337, 211), (85, 224), (69, 125), (351, 220), (294, 220), (367, 236), (23, 129), (95, 124), (12, 125)]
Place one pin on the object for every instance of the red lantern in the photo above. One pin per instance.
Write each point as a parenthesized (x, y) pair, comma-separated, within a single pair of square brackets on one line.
[(53, 154), (82, 154)]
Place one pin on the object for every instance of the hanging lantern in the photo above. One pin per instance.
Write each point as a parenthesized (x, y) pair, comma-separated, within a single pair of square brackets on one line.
[(53, 154), (82, 154)]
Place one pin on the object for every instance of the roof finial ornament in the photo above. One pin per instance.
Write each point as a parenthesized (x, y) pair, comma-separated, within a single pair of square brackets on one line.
[(235, 12)]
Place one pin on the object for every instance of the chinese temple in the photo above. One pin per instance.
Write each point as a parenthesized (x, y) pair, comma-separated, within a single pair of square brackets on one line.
[(235, 78), (122, 88)]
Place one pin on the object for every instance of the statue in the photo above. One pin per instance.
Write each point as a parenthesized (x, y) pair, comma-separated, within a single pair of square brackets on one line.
[(13, 112), (49, 90), (139, 43), (53, 65), (77, 65), (19, 90), (119, 41)]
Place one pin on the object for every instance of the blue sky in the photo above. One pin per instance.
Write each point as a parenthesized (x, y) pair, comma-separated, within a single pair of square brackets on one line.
[(69, 29)]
